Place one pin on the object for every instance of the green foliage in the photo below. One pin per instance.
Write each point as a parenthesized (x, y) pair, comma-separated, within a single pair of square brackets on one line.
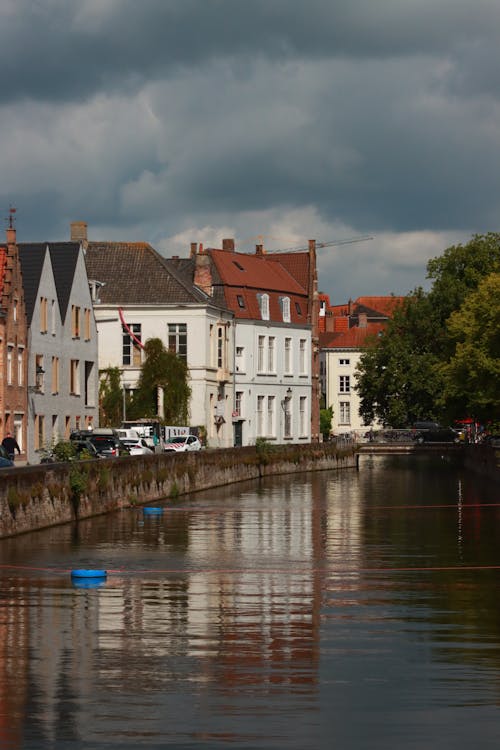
[(409, 373), (78, 481), (472, 374), (64, 451), (110, 397), (325, 421), (164, 370), (264, 450)]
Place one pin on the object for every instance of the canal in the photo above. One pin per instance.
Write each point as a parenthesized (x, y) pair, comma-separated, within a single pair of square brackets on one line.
[(344, 610)]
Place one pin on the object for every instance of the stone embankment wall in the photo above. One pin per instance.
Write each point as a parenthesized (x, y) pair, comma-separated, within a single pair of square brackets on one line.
[(35, 497)]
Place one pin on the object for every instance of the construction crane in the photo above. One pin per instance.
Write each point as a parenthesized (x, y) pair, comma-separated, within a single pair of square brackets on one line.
[(320, 245)]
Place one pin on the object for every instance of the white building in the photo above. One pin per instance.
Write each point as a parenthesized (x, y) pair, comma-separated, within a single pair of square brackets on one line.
[(139, 295), (269, 394)]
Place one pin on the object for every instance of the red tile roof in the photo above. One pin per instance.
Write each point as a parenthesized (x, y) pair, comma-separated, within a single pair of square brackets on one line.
[(384, 305), (354, 338), (244, 276)]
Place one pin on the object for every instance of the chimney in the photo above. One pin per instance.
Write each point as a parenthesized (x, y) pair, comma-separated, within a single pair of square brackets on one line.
[(203, 272), (78, 231), (192, 251), (228, 245), (362, 320), (259, 249), (11, 238)]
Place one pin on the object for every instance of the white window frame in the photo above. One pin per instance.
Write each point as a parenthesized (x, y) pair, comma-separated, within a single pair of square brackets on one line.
[(263, 300), (303, 416), (285, 309), (344, 412), (302, 357), (271, 363), (344, 383), (260, 416), (271, 416), (261, 345)]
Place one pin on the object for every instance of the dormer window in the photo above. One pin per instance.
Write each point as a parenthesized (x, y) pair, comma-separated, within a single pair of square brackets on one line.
[(285, 309), (238, 265), (297, 307), (263, 300), (241, 301)]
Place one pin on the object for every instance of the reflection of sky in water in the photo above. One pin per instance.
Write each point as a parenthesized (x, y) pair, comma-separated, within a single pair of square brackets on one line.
[(349, 609)]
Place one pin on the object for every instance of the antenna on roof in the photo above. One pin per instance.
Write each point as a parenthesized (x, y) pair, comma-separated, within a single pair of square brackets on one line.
[(11, 220)]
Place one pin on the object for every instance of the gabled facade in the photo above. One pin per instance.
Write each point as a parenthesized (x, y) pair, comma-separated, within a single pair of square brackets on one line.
[(13, 344), (346, 332), (62, 364), (269, 394), (138, 295)]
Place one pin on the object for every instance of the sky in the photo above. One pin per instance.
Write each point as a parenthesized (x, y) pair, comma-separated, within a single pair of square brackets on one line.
[(270, 121)]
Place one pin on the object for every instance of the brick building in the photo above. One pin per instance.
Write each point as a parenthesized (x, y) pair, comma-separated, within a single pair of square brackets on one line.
[(13, 343)]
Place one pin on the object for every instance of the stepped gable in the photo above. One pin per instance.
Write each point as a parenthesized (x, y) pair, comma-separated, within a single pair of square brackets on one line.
[(134, 273), (3, 263)]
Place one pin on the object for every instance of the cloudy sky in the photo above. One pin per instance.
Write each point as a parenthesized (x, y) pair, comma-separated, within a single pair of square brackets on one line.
[(174, 121)]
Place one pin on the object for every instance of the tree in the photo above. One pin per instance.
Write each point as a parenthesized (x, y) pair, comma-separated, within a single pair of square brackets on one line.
[(163, 370), (325, 422), (110, 397), (472, 374), (402, 378)]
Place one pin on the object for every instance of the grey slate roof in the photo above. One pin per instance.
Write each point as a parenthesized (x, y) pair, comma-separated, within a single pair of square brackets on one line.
[(135, 273), (63, 255)]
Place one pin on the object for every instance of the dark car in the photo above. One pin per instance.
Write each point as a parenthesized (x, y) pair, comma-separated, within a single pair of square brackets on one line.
[(433, 432), (108, 446), (85, 449)]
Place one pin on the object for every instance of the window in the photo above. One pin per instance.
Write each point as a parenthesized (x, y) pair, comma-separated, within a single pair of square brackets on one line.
[(240, 359), (43, 315), (285, 308), (177, 339), (89, 390), (14, 311), (260, 354), (131, 349), (288, 356), (238, 403), (220, 346), (260, 416), (303, 416), (287, 409), (344, 361), (344, 384), (39, 431), (270, 354), (39, 372), (263, 300), (302, 357), (53, 317), (55, 375), (20, 366), (241, 301), (74, 377), (270, 416), (10, 350), (87, 324), (345, 412), (75, 321)]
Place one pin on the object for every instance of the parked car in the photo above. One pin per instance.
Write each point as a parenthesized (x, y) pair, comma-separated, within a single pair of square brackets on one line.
[(105, 442), (433, 432), (137, 446), (182, 443), (85, 449)]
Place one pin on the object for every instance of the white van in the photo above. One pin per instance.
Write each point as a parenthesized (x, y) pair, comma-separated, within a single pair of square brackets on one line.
[(126, 434)]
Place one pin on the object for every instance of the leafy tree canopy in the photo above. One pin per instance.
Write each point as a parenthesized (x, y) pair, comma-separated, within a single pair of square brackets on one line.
[(110, 397), (402, 377), (162, 370)]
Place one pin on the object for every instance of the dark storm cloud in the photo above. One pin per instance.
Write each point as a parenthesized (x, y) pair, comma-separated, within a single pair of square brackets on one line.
[(69, 50)]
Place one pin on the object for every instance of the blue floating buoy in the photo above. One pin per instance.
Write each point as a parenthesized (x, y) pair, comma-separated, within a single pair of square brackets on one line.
[(85, 573), (152, 511)]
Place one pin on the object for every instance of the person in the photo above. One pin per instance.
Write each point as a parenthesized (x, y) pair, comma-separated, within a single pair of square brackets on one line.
[(10, 445)]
